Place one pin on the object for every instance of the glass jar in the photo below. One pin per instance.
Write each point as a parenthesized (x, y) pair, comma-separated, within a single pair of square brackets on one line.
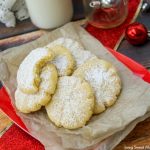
[(106, 13), (50, 14)]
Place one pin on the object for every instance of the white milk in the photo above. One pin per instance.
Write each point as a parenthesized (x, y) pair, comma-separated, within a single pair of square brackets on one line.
[(50, 14)]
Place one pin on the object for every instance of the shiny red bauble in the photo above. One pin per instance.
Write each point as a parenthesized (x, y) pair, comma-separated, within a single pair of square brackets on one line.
[(136, 33)]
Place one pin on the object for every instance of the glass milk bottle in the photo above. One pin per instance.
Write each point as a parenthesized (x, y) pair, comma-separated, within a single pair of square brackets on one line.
[(48, 14)]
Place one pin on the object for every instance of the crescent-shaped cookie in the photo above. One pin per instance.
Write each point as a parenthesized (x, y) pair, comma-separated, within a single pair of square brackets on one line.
[(27, 103), (28, 75)]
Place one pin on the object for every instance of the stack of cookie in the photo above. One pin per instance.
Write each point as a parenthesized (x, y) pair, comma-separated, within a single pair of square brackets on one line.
[(72, 83)]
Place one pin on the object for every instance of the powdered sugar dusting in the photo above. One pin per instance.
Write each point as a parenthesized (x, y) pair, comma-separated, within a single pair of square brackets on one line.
[(26, 73), (99, 80), (76, 49), (61, 63), (74, 100), (81, 56), (103, 78), (32, 102)]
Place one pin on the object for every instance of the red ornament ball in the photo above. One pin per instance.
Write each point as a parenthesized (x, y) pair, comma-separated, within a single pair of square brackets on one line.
[(136, 33)]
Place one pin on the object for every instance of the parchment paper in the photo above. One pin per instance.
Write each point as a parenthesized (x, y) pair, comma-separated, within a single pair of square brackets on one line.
[(133, 102)]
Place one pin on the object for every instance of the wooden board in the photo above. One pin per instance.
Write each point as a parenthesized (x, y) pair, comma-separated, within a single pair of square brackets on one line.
[(139, 137), (21, 27), (4, 123)]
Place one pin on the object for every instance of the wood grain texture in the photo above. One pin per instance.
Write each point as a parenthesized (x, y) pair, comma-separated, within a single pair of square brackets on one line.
[(141, 54), (139, 137), (27, 37), (20, 39), (21, 27), (4, 122)]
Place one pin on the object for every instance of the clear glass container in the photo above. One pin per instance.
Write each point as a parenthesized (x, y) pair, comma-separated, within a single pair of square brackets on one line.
[(48, 14), (106, 13)]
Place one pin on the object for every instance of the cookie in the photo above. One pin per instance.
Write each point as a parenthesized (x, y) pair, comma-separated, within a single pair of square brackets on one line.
[(72, 104), (28, 75), (63, 60), (77, 50), (27, 103), (103, 78), (81, 56)]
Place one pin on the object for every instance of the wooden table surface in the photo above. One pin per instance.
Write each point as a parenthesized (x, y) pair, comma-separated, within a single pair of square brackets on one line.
[(138, 138)]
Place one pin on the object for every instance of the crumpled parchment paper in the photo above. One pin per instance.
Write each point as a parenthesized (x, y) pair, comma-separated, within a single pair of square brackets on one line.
[(104, 131)]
